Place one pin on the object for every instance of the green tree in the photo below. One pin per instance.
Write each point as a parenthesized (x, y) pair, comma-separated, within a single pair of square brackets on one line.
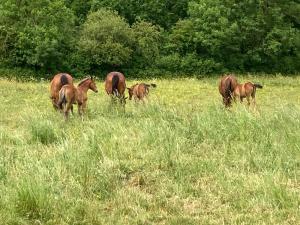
[(164, 13), (147, 43), (80, 8), (36, 33), (106, 39), (241, 35)]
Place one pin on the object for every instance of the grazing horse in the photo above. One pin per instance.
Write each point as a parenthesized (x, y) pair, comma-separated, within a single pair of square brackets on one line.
[(115, 86), (226, 88), (246, 90), (69, 95), (57, 82), (139, 91)]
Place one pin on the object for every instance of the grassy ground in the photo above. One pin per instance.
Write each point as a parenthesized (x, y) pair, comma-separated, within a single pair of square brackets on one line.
[(179, 159)]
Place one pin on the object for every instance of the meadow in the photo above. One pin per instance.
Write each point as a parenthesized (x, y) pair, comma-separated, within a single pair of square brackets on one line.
[(181, 158)]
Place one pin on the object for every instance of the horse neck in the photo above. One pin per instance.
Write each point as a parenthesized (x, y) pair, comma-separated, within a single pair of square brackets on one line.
[(84, 87)]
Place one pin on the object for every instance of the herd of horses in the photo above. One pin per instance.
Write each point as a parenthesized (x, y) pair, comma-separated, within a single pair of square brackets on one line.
[(230, 90), (64, 94)]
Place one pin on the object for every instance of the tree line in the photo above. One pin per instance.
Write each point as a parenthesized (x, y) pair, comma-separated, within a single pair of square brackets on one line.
[(150, 37)]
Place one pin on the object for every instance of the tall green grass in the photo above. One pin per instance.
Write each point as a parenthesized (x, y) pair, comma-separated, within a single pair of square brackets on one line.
[(181, 158)]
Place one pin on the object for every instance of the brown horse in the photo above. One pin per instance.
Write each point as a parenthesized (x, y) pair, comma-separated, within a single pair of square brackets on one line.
[(57, 82), (69, 95), (115, 86), (246, 90), (139, 91), (226, 88)]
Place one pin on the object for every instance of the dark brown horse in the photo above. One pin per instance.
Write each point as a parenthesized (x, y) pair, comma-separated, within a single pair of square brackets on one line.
[(57, 82), (69, 95), (226, 88), (115, 86), (246, 90), (139, 91)]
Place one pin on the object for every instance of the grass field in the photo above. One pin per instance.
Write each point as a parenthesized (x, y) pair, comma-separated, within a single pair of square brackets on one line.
[(179, 159)]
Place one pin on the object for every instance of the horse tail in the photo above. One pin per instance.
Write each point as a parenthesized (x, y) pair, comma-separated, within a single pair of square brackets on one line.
[(258, 85), (228, 88), (115, 82), (151, 85), (64, 79), (62, 98)]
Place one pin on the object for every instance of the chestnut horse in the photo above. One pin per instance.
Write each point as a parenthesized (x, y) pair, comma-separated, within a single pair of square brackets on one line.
[(115, 86), (246, 90), (139, 91), (57, 82), (69, 95), (226, 88)]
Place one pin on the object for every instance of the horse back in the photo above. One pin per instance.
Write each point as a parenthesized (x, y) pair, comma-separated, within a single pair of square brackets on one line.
[(143, 90), (56, 83), (121, 85), (69, 92), (249, 88), (227, 85)]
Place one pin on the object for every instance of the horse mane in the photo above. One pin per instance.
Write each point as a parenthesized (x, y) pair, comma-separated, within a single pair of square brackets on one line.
[(133, 86), (83, 81), (64, 79)]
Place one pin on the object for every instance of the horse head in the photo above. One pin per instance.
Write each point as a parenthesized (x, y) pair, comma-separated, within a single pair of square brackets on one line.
[(92, 85), (130, 92)]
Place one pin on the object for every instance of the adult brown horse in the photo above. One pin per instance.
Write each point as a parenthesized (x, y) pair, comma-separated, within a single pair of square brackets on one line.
[(226, 88), (246, 90), (69, 95), (57, 82), (115, 86), (139, 91)]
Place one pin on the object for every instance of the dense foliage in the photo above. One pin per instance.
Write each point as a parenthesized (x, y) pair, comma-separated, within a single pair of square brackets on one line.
[(151, 37)]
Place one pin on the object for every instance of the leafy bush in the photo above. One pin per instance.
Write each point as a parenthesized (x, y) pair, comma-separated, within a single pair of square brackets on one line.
[(198, 36), (36, 33), (106, 38)]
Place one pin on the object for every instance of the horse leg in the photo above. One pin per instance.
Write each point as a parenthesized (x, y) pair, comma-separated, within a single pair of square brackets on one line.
[(114, 99), (143, 98), (248, 100), (225, 101), (241, 99), (83, 107), (66, 110), (55, 106), (80, 109), (234, 97), (122, 102), (72, 111), (254, 102), (253, 97)]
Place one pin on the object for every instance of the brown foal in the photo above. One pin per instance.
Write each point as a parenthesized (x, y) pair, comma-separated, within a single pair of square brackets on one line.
[(246, 90), (69, 95), (139, 91), (57, 82)]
